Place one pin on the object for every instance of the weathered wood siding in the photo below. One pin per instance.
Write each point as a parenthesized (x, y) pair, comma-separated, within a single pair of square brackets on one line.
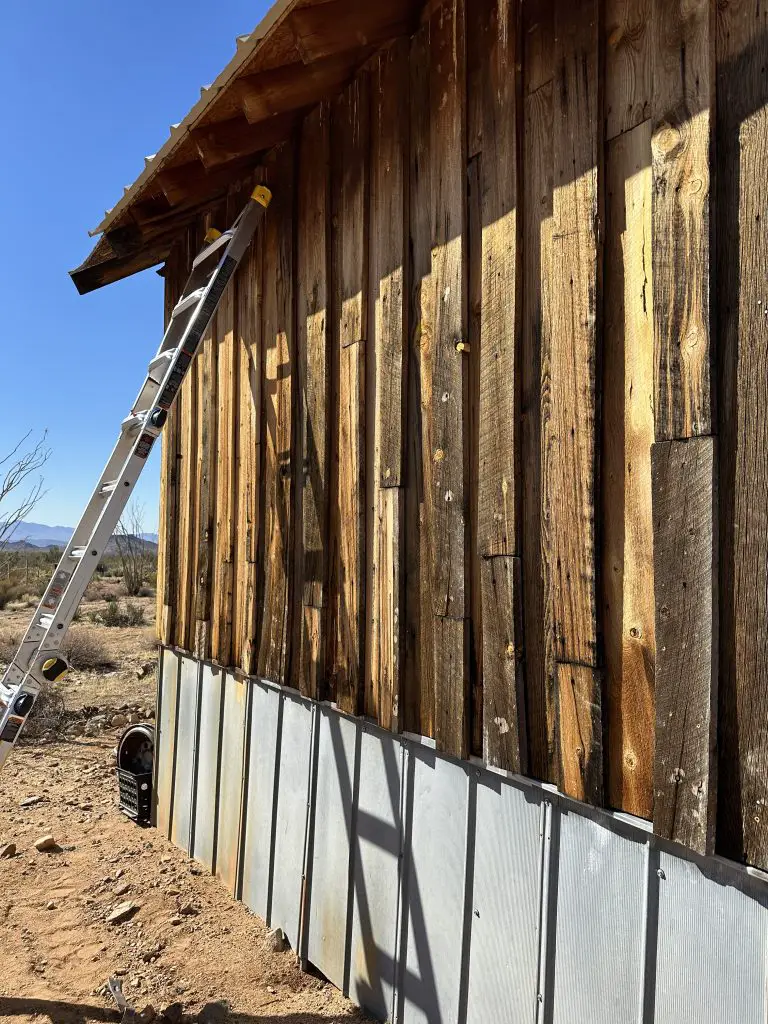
[(476, 444)]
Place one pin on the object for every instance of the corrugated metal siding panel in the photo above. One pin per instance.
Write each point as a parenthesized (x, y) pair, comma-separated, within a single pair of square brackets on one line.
[(165, 741), (599, 880), (434, 888), (265, 727), (231, 775), (376, 878), (186, 749), (617, 926), (291, 820), (336, 784), (207, 774), (505, 905), (712, 943)]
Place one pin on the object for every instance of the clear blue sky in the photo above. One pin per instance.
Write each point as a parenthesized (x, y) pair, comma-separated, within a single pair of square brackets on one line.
[(90, 87)]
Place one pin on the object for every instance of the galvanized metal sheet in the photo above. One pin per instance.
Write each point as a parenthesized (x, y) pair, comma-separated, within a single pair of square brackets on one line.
[(434, 889), (186, 748), (291, 818), (231, 773), (597, 891), (164, 741), (712, 930), (257, 848), (504, 950), (618, 930), (207, 769), (332, 841), (376, 873)]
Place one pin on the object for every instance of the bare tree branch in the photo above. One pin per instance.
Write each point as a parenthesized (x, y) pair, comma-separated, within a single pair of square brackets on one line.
[(132, 549), (16, 502)]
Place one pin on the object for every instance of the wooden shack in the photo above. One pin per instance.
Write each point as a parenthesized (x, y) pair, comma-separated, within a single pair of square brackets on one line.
[(476, 445)]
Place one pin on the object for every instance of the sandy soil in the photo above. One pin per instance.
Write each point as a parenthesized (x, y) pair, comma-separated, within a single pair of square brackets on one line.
[(187, 942)]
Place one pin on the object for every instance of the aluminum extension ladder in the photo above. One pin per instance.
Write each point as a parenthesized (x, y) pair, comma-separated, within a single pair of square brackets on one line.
[(39, 659)]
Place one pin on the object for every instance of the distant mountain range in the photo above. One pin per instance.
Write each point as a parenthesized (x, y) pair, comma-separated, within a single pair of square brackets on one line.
[(39, 535)]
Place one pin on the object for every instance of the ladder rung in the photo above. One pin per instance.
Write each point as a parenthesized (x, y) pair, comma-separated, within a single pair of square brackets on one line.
[(161, 361), (108, 487), (134, 422), (77, 553), (190, 300), (209, 250), (45, 621)]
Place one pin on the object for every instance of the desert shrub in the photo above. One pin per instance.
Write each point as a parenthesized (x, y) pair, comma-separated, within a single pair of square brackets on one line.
[(10, 592), (47, 715), (84, 648), (112, 616), (134, 614), (146, 592)]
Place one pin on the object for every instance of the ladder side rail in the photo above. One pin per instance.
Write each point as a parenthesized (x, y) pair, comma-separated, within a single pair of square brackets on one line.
[(68, 584), (26, 673)]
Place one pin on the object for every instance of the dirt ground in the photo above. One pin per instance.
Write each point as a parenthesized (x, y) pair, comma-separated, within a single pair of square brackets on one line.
[(187, 941)]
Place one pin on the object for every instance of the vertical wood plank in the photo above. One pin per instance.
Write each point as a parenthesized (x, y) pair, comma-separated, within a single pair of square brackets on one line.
[(389, 190), (419, 676), (474, 247), (497, 495), (313, 368), (504, 740), (572, 467), (684, 519), (628, 59), (742, 157), (250, 355), (226, 447), (388, 654), (445, 370), (386, 382), (499, 373), (168, 564), (535, 425), (279, 370), (577, 128), (627, 436), (580, 732), (684, 555), (188, 402), (350, 272), (538, 44), (683, 102), (207, 359)]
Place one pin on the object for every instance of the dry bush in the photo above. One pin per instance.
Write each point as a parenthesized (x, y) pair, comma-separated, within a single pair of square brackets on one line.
[(114, 616), (47, 715), (10, 592), (84, 648), (100, 590)]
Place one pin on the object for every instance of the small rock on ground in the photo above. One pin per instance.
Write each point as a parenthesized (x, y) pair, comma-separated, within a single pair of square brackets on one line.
[(276, 941), (122, 912), (46, 843), (7, 851)]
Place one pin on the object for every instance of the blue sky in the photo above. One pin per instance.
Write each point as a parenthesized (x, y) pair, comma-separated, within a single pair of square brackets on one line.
[(90, 86)]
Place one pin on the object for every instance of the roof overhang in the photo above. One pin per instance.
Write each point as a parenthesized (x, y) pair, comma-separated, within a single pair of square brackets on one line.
[(302, 52)]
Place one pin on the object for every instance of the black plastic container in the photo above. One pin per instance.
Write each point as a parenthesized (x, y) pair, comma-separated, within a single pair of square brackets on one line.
[(135, 761)]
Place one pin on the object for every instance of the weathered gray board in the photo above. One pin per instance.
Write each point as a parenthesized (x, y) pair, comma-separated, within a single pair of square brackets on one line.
[(435, 890)]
